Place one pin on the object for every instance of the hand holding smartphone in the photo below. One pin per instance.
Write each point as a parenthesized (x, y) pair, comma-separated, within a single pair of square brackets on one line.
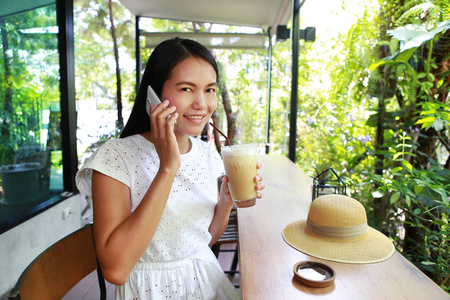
[(151, 98)]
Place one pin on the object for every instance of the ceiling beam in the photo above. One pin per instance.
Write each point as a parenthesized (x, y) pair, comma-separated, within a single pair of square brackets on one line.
[(240, 41)]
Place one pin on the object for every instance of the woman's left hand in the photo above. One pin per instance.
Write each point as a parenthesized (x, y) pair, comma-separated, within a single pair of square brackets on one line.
[(225, 191), (225, 204), (258, 180)]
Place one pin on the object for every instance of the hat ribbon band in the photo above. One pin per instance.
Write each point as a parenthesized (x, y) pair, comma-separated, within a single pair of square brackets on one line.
[(343, 233)]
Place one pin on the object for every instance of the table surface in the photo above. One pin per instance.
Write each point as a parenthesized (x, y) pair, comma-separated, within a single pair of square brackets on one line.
[(267, 261)]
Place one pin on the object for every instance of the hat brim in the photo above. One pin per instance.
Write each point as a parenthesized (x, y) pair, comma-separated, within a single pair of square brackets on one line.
[(371, 248)]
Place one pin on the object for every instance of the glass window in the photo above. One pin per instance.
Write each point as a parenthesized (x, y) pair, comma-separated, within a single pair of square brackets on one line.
[(30, 134)]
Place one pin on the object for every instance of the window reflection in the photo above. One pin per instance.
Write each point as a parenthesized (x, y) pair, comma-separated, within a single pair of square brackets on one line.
[(30, 135)]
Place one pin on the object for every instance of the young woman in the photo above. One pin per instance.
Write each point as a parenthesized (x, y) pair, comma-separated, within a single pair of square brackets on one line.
[(154, 190)]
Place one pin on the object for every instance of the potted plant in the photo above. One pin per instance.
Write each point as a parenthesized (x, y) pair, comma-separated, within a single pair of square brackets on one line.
[(28, 179)]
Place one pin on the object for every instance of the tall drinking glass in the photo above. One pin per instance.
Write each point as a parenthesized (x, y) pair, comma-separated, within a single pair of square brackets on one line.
[(240, 167)]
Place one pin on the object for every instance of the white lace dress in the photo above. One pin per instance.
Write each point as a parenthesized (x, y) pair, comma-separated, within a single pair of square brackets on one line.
[(178, 264)]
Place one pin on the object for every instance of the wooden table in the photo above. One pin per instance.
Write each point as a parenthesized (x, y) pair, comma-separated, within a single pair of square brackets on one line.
[(266, 260)]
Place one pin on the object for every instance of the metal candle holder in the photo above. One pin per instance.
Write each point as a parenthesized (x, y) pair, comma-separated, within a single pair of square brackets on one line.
[(328, 182)]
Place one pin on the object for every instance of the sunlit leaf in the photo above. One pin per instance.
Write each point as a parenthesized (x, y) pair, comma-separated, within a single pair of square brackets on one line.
[(408, 32), (407, 165), (394, 198), (397, 169), (421, 75), (418, 189), (416, 35), (377, 64), (426, 120), (404, 56), (396, 155), (408, 200)]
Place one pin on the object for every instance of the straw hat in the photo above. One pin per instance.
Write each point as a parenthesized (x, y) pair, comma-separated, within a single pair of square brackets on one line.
[(337, 230)]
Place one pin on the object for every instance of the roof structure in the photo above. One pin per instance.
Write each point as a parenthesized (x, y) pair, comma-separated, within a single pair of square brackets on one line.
[(9, 7), (264, 14), (267, 15)]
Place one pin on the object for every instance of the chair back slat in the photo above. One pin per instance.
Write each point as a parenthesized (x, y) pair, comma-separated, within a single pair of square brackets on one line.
[(59, 268)]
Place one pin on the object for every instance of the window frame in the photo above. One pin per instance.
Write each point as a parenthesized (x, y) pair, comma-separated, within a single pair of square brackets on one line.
[(65, 36)]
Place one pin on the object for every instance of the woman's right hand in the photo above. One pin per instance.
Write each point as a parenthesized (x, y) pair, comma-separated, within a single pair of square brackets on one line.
[(162, 121)]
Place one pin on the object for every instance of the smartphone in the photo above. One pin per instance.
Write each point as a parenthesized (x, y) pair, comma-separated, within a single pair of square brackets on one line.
[(151, 98)]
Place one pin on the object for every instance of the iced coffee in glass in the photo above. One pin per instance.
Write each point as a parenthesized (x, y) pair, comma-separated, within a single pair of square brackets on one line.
[(240, 167)]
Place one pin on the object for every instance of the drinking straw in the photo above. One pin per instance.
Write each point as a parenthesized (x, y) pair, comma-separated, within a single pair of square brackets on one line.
[(214, 126)]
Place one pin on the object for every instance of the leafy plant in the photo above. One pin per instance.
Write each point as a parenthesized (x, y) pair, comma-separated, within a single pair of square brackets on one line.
[(411, 190), (383, 123)]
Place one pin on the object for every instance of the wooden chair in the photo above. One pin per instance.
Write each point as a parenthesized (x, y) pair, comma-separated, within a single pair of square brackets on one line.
[(230, 236), (60, 267)]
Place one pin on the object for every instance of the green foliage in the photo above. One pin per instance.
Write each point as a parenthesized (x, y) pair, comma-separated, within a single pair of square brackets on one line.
[(419, 203), (406, 189), (29, 78), (377, 111), (94, 53), (246, 82), (332, 131)]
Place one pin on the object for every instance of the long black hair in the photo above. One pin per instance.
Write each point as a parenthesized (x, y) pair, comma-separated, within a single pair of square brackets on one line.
[(164, 58)]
